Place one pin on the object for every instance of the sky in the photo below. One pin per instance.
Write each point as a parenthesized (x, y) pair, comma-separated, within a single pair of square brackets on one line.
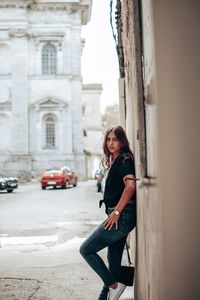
[(99, 59)]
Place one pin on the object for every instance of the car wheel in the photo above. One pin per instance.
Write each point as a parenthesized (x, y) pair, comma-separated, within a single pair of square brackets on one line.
[(43, 187), (75, 183), (65, 186), (10, 191)]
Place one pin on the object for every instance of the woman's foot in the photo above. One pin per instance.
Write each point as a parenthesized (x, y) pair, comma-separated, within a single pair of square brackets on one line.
[(114, 294)]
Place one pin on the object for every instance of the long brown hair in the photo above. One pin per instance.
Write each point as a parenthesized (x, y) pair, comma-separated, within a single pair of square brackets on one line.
[(125, 149)]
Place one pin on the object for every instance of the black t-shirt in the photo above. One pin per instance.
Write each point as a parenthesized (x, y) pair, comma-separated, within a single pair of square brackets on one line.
[(114, 185)]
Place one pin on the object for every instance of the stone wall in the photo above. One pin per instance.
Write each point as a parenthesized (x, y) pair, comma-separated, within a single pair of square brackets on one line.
[(161, 47)]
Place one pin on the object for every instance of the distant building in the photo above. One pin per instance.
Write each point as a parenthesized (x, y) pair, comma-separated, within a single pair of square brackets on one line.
[(41, 120), (93, 133), (111, 116)]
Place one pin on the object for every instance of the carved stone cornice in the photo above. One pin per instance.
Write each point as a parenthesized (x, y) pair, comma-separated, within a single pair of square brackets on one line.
[(53, 36), (53, 6), (18, 33), (84, 7), (15, 3), (49, 103)]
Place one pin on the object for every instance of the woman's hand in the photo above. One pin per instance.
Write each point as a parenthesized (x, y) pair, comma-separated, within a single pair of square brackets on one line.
[(112, 219)]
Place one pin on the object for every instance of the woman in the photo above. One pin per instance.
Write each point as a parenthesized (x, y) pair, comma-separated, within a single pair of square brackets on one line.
[(120, 202)]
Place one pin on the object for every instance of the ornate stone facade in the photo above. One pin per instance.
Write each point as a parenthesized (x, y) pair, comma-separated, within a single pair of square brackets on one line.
[(41, 85)]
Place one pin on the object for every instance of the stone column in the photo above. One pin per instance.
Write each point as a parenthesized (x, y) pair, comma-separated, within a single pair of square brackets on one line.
[(19, 69), (76, 102), (77, 127)]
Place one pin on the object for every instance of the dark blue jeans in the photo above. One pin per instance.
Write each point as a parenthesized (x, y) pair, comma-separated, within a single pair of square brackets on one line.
[(114, 240)]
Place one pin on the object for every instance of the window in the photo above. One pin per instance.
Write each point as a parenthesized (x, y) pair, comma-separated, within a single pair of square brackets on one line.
[(49, 59), (50, 132)]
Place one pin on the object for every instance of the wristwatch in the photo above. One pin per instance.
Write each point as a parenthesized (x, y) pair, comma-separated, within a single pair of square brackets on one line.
[(116, 212)]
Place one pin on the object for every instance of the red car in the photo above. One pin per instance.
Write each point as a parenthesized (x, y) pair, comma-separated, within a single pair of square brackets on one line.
[(58, 178)]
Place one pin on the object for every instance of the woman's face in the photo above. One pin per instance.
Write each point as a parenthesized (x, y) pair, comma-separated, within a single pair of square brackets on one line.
[(113, 144)]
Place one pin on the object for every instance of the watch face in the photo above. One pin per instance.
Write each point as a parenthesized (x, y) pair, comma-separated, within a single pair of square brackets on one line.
[(116, 212)]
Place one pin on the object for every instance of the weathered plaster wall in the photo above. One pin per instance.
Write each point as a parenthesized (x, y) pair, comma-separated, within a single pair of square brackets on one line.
[(141, 124), (168, 200)]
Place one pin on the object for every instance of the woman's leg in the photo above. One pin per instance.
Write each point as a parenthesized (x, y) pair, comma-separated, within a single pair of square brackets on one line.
[(102, 238), (115, 252), (97, 241)]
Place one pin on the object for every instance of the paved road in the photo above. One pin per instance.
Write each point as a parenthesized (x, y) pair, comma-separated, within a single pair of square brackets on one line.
[(32, 212), (41, 231)]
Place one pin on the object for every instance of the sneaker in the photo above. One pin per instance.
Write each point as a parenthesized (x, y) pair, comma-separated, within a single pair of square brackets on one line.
[(114, 294)]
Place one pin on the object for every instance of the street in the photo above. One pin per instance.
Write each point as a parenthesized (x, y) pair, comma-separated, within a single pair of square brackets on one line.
[(56, 215), (41, 231)]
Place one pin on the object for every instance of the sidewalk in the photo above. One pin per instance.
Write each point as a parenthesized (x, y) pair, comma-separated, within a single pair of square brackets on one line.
[(48, 272)]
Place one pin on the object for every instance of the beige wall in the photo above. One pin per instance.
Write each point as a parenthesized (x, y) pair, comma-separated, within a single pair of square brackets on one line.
[(168, 260), (177, 45)]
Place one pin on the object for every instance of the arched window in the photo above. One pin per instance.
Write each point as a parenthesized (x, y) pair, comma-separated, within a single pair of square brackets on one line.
[(49, 59), (50, 132)]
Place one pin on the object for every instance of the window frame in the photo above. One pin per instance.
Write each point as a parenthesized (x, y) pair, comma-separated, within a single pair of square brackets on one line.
[(49, 138), (49, 59)]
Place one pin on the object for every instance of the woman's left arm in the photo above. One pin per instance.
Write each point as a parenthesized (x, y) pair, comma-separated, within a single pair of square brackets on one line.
[(129, 190)]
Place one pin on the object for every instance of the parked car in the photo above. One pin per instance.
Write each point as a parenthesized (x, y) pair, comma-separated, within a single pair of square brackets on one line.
[(99, 175), (7, 182), (58, 178)]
